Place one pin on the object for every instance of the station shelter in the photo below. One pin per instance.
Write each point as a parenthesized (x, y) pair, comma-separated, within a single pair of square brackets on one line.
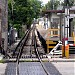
[(60, 24), (55, 20)]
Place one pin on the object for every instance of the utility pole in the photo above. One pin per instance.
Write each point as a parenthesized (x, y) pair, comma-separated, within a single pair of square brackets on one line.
[(66, 19), (52, 4), (6, 11), (0, 27), (0, 23), (4, 23), (11, 25), (65, 51)]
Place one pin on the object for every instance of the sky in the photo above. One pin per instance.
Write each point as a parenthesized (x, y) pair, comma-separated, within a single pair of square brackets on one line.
[(45, 1)]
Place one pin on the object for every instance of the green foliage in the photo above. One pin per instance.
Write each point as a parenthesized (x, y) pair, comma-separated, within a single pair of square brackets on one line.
[(52, 4), (23, 11), (2, 61), (17, 26), (68, 2)]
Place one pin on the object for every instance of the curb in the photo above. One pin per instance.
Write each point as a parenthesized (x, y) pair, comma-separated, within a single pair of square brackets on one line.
[(58, 59), (61, 60)]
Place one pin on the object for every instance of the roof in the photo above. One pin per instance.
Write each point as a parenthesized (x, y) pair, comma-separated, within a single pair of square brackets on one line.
[(53, 11), (58, 11)]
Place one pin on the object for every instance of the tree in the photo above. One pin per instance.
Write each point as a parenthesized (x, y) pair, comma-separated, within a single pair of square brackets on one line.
[(68, 2), (52, 4), (25, 11)]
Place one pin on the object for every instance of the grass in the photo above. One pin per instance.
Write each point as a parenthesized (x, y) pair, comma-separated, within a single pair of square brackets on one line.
[(2, 61)]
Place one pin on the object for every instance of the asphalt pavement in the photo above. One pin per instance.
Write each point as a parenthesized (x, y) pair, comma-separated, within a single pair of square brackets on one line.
[(34, 68)]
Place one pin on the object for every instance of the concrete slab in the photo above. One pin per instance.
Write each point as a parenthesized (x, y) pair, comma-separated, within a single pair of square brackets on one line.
[(61, 59), (31, 68), (25, 68), (65, 68), (3, 68), (35, 68)]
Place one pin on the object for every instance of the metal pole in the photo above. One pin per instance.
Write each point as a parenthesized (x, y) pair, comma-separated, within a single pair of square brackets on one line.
[(74, 34), (6, 19), (67, 31), (60, 28), (66, 22), (0, 27), (64, 36), (0, 32)]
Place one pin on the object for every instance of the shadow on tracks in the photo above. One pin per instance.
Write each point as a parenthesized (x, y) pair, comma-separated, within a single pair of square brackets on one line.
[(52, 69), (10, 69)]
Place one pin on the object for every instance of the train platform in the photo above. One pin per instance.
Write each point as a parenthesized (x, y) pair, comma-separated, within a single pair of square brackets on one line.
[(51, 58), (58, 58), (56, 66), (44, 33)]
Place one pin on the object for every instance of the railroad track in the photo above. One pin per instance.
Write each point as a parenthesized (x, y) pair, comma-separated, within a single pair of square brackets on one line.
[(28, 47)]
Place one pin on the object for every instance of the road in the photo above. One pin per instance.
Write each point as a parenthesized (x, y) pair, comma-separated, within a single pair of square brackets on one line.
[(65, 68), (54, 68)]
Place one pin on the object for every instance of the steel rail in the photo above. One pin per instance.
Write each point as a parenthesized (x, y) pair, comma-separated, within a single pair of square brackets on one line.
[(31, 43), (2, 51), (22, 43), (38, 55), (21, 47)]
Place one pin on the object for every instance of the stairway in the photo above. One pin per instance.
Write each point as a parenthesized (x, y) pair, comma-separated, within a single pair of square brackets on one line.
[(72, 49), (50, 44)]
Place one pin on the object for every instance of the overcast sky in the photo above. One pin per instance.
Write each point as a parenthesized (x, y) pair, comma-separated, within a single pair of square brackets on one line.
[(45, 1)]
